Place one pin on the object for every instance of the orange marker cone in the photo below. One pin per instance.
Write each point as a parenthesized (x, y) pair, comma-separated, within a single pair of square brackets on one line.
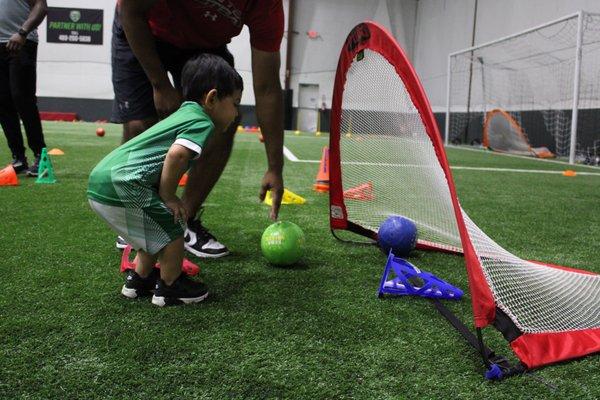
[(569, 172), (363, 192), (8, 176), (183, 179), (288, 197), (188, 267), (56, 152), (322, 179)]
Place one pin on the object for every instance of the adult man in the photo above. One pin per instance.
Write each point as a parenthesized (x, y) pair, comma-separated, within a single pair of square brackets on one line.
[(19, 20), (154, 37)]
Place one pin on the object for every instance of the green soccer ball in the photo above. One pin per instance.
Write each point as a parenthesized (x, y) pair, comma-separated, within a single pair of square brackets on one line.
[(282, 243)]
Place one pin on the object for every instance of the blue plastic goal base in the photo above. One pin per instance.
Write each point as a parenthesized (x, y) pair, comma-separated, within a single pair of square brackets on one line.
[(494, 373), (408, 280)]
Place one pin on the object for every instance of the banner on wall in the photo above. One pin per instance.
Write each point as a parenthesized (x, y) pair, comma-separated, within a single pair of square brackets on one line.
[(74, 25)]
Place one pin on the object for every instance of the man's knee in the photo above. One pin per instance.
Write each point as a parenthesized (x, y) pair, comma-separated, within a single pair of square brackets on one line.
[(229, 138), (228, 143), (219, 150), (133, 128)]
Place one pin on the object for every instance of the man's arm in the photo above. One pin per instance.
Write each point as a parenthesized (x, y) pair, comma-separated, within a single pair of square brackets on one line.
[(135, 23), (38, 11), (269, 111)]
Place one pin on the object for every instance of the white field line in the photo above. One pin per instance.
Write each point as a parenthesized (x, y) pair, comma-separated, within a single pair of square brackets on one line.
[(290, 156), (533, 171), (493, 153)]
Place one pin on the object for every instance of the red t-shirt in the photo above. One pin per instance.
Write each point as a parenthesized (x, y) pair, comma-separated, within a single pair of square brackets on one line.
[(206, 24)]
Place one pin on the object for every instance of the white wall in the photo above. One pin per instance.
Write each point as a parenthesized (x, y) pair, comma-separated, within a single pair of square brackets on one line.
[(314, 60), (445, 26), (72, 70), (427, 29), (84, 71), (240, 49)]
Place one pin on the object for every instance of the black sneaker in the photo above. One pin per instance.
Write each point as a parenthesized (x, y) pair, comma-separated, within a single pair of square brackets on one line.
[(19, 164), (121, 243), (135, 286), (182, 291), (33, 169), (201, 243)]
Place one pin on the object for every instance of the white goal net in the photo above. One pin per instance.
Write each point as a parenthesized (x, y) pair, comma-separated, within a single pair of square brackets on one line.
[(547, 78)]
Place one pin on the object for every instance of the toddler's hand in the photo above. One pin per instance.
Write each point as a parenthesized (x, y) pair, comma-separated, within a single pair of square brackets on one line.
[(176, 206)]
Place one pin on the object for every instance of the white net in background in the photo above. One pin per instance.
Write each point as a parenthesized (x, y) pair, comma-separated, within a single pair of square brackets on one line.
[(383, 142), (531, 76), (504, 136)]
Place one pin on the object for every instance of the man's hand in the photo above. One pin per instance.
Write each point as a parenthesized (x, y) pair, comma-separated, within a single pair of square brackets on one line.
[(15, 43), (37, 13), (272, 181), (167, 100), (176, 206)]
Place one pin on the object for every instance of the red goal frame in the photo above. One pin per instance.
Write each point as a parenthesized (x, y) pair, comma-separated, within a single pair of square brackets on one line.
[(533, 350)]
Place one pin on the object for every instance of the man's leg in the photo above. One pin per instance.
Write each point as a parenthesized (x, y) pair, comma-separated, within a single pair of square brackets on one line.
[(202, 177), (133, 128), (134, 103), (9, 119), (207, 170), (23, 86)]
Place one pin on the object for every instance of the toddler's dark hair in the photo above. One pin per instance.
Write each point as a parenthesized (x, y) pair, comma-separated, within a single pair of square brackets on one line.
[(205, 72)]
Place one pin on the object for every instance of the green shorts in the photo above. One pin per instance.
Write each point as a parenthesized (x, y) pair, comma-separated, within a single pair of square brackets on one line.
[(149, 228)]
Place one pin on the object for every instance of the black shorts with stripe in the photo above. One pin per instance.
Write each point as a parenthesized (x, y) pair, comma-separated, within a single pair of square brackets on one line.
[(133, 92)]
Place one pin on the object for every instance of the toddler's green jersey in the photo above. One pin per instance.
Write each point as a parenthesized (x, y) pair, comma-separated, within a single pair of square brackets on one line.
[(129, 176)]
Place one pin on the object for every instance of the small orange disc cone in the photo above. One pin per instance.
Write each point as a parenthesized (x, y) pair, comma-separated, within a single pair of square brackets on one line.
[(363, 192), (183, 180), (8, 176)]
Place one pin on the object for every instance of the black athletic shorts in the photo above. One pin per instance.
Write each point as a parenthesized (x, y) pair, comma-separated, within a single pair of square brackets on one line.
[(133, 92)]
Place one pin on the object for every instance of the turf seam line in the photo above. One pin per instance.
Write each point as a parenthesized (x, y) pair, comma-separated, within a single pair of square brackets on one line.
[(518, 156), (290, 156)]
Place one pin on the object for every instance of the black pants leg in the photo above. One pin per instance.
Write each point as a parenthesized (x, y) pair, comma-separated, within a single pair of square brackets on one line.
[(22, 82), (23, 72), (9, 119)]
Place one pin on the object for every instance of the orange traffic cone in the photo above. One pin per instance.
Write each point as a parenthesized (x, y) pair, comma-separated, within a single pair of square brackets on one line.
[(322, 179), (363, 192), (183, 179), (8, 176), (188, 267)]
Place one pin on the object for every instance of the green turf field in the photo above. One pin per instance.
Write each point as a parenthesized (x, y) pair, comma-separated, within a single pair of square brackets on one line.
[(316, 331)]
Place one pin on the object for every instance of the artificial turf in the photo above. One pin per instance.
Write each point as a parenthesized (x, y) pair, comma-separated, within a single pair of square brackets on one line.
[(314, 331)]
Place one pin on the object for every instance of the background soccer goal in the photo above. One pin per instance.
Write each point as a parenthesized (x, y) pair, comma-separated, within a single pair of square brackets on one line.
[(547, 78)]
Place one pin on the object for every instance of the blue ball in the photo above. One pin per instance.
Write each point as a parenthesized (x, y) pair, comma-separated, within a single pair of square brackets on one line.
[(399, 234)]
